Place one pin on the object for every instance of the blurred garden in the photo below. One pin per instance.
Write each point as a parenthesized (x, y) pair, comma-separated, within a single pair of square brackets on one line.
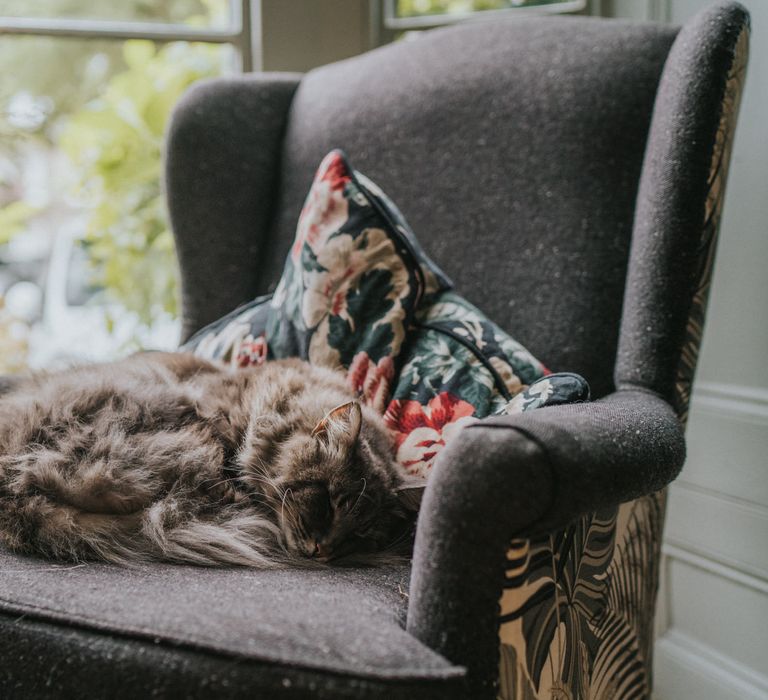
[(87, 267), (417, 8), (81, 208)]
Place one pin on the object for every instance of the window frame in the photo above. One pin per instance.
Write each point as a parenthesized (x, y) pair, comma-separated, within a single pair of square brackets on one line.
[(392, 23), (241, 35)]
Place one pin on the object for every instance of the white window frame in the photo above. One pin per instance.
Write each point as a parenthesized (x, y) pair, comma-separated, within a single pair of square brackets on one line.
[(242, 34), (392, 22)]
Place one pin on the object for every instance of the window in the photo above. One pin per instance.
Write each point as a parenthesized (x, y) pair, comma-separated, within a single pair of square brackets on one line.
[(421, 14), (86, 88)]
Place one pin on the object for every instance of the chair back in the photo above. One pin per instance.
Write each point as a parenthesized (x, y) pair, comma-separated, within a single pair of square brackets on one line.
[(514, 149)]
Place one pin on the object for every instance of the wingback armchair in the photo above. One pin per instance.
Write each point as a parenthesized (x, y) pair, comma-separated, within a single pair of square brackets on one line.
[(568, 173)]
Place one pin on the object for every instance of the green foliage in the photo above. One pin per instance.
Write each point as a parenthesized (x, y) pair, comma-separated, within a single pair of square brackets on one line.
[(360, 326), (65, 73), (106, 104), (115, 144), (415, 8), (127, 10), (13, 219)]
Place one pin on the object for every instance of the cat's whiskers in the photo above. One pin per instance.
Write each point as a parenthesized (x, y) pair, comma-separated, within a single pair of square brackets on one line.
[(260, 470), (365, 483), (282, 503), (266, 481), (218, 483), (261, 478), (293, 527), (270, 507), (262, 500), (398, 540)]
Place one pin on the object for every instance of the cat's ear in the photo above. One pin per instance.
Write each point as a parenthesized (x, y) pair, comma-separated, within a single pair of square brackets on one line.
[(341, 425)]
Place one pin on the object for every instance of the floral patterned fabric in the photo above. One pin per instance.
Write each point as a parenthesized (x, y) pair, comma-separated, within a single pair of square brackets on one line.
[(358, 293)]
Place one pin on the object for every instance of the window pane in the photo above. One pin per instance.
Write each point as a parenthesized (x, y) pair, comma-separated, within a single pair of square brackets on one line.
[(419, 8), (86, 255), (204, 13)]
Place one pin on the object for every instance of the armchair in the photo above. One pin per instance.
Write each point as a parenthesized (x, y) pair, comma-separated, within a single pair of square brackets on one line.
[(568, 173)]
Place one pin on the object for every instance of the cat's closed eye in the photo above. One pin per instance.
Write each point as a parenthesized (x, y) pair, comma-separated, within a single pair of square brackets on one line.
[(312, 502)]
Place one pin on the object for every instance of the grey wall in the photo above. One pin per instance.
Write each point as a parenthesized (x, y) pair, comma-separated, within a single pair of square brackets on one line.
[(297, 35)]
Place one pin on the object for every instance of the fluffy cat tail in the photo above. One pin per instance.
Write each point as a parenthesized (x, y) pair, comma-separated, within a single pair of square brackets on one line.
[(233, 536), (38, 525)]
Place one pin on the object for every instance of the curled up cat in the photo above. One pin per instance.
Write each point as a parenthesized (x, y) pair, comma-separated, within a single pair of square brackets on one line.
[(165, 456)]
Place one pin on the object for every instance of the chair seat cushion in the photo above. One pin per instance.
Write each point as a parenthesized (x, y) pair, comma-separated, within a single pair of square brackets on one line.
[(359, 293), (342, 622)]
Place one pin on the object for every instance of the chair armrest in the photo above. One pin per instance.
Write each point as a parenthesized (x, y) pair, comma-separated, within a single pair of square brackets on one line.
[(517, 476), (223, 150)]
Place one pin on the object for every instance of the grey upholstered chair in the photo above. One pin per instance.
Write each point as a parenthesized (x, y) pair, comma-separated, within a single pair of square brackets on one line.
[(568, 173)]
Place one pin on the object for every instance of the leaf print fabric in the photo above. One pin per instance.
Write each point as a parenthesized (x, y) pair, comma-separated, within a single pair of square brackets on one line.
[(358, 293), (577, 608)]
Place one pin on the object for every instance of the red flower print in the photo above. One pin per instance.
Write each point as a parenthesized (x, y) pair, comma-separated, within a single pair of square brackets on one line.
[(334, 171), (371, 380), (422, 431), (325, 208), (251, 351)]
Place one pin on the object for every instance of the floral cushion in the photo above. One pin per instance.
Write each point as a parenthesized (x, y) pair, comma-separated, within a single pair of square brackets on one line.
[(358, 293)]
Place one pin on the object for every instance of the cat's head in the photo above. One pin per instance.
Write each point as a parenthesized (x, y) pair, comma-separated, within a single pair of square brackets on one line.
[(335, 495)]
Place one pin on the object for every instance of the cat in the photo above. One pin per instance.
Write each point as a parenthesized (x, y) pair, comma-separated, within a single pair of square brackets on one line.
[(165, 456)]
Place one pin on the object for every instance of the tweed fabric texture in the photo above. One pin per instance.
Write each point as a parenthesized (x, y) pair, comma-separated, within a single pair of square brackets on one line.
[(713, 209), (222, 151), (54, 662), (679, 202), (290, 617)]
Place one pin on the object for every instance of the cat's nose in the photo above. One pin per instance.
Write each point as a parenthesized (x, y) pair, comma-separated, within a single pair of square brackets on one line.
[(321, 551)]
